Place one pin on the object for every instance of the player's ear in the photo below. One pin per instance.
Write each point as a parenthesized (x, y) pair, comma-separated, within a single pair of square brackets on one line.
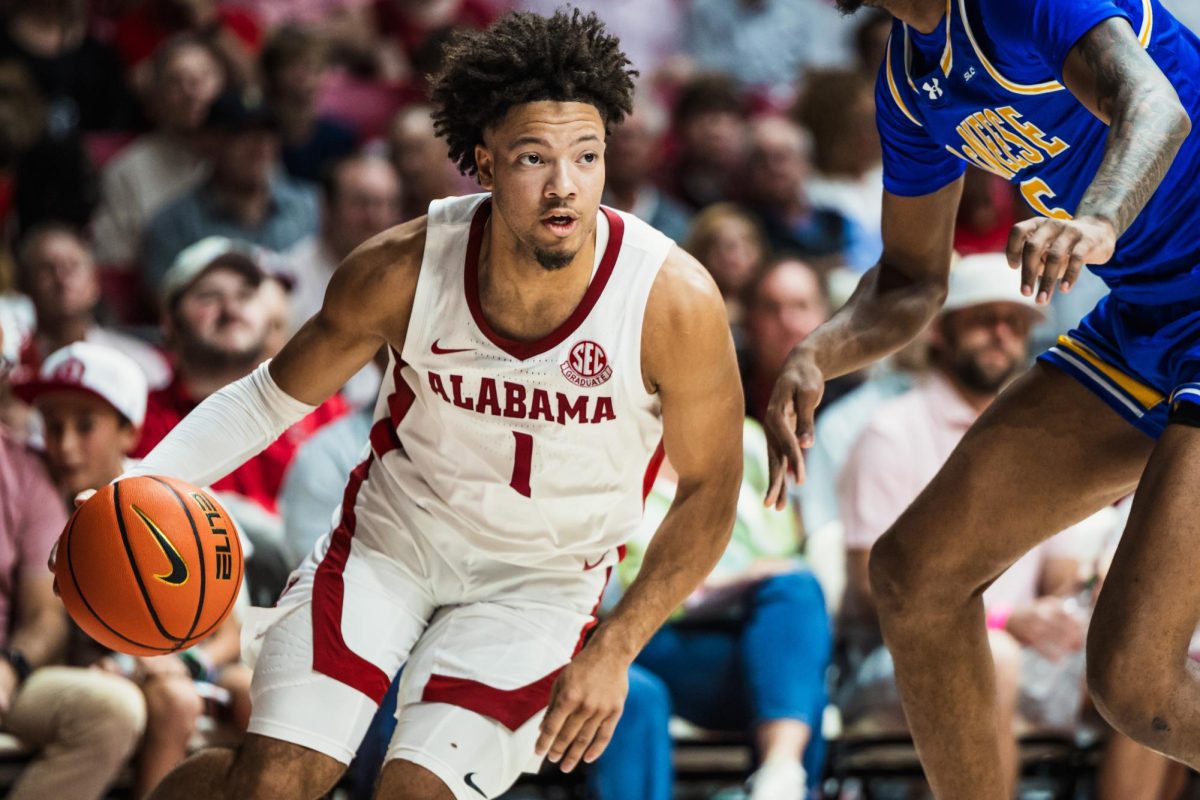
[(484, 167)]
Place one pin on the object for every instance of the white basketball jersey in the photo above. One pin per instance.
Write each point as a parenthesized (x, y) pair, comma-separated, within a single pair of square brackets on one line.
[(537, 453)]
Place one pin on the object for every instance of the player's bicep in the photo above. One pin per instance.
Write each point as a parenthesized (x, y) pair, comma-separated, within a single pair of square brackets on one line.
[(367, 305), (691, 362), (1108, 64)]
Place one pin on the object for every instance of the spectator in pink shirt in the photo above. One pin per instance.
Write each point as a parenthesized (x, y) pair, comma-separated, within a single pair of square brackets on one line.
[(82, 724)]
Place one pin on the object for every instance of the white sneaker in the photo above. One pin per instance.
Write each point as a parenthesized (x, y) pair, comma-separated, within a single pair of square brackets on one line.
[(778, 780)]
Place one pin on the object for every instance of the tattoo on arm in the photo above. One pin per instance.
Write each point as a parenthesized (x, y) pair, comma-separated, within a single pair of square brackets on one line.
[(1144, 135)]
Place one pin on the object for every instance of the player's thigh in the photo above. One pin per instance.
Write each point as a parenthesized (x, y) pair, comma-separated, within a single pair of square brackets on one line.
[(404, 779), (477, 685), (269, 767), (1045, 455), (1150, 603)]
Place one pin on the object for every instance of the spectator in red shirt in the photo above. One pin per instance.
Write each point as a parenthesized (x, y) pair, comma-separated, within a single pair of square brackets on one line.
[(217, 325), (235, 33)]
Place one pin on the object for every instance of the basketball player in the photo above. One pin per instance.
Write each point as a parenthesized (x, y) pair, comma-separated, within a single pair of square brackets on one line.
[(1087, 106), (544, 353)]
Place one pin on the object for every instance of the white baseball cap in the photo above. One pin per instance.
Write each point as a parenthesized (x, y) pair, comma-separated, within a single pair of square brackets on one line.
[(97, 370), (987, 278), (198, 257)]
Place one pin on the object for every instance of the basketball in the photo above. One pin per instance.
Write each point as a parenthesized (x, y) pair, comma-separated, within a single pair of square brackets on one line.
[(149, 565)]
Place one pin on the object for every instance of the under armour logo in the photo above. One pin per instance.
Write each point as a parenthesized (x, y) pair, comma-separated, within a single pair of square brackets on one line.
[(931, 87)]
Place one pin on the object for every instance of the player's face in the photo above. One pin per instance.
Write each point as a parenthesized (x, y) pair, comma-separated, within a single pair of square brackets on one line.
[(544, 165), (987, 344), (86, 440)]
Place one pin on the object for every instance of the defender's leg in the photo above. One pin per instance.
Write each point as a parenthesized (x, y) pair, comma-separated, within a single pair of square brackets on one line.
[(1139, 672), (1046, 454)]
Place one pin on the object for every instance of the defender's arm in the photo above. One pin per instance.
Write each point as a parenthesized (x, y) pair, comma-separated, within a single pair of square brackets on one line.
[(1110, 72), (688, 358), (892, 304)]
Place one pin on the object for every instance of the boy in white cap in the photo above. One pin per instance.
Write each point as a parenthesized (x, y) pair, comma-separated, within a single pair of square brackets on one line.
[(93, 402)]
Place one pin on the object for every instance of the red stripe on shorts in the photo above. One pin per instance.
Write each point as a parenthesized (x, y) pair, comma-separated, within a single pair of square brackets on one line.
[(331, 655), (512, 708)]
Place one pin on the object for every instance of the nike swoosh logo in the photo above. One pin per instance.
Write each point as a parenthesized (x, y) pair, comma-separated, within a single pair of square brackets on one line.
[(467, 780), (442, 351), (587, 566), (179, 571)]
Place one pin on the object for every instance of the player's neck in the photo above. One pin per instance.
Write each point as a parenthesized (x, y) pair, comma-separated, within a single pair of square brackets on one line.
[(522, 299), (924, 15)]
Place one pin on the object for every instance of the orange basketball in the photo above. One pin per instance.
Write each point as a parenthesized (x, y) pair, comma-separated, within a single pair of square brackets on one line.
[(149, 565)]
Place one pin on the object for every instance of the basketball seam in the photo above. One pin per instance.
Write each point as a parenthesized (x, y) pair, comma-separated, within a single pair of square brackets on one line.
[(241, 573), (199, 555), (92, 611), (137, 574)]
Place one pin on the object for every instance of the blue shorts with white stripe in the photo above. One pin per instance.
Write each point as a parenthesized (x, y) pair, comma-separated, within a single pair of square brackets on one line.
[(1140, 359)]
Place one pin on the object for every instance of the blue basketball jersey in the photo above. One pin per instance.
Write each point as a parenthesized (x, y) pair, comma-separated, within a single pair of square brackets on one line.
[(986, 89)]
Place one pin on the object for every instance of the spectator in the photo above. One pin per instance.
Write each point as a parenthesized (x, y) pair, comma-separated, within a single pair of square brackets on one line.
[(986, 213), (83, 724), (80, 79), (775, 190), (186, 75), (784, 304), (748, 652), (710, 125), (838, 108), (233, 32), (732, 247), (650, 30), (243, 199), (346, 24), (93, 402), (766, 44), (630, 158), (57, 271), (409, 24), (421, 160), (216, 325), (979, 343), (361, 198), (293, 63), (22, 125)]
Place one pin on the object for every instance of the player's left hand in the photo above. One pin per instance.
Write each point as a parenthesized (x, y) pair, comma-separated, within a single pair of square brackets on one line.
[(585, 704), (1051, 252)]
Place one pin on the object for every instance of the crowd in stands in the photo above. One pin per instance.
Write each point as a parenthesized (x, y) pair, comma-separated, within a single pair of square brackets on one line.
[(179, 180)]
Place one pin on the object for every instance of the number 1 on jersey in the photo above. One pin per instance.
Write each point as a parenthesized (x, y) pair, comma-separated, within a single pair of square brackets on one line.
[(522, 463)]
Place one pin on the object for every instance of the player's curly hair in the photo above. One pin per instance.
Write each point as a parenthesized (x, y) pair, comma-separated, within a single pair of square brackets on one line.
[(524, 58)]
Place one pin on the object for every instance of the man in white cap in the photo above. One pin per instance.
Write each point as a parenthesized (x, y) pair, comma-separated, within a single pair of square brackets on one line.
[(979, 343)]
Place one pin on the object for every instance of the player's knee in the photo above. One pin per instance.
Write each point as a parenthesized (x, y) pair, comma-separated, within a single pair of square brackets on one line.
[(1133, 691), (898, 584)]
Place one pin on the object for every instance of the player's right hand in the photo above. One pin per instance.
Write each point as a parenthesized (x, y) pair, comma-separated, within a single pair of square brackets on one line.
[(1052, 252), (789, 423)]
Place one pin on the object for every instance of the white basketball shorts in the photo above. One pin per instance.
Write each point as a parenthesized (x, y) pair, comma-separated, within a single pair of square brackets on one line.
[(481, 643)]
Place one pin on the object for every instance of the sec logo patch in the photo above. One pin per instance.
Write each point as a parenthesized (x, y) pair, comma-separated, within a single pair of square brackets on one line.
[(586, 365)]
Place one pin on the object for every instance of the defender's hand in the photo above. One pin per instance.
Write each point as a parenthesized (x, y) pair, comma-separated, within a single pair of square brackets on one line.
[(789, 423), (1050, 251), (585, 704)]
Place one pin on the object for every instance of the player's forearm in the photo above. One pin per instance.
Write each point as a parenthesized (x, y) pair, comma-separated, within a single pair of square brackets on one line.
[(886, 312), (684, 550), (1148, 126)]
